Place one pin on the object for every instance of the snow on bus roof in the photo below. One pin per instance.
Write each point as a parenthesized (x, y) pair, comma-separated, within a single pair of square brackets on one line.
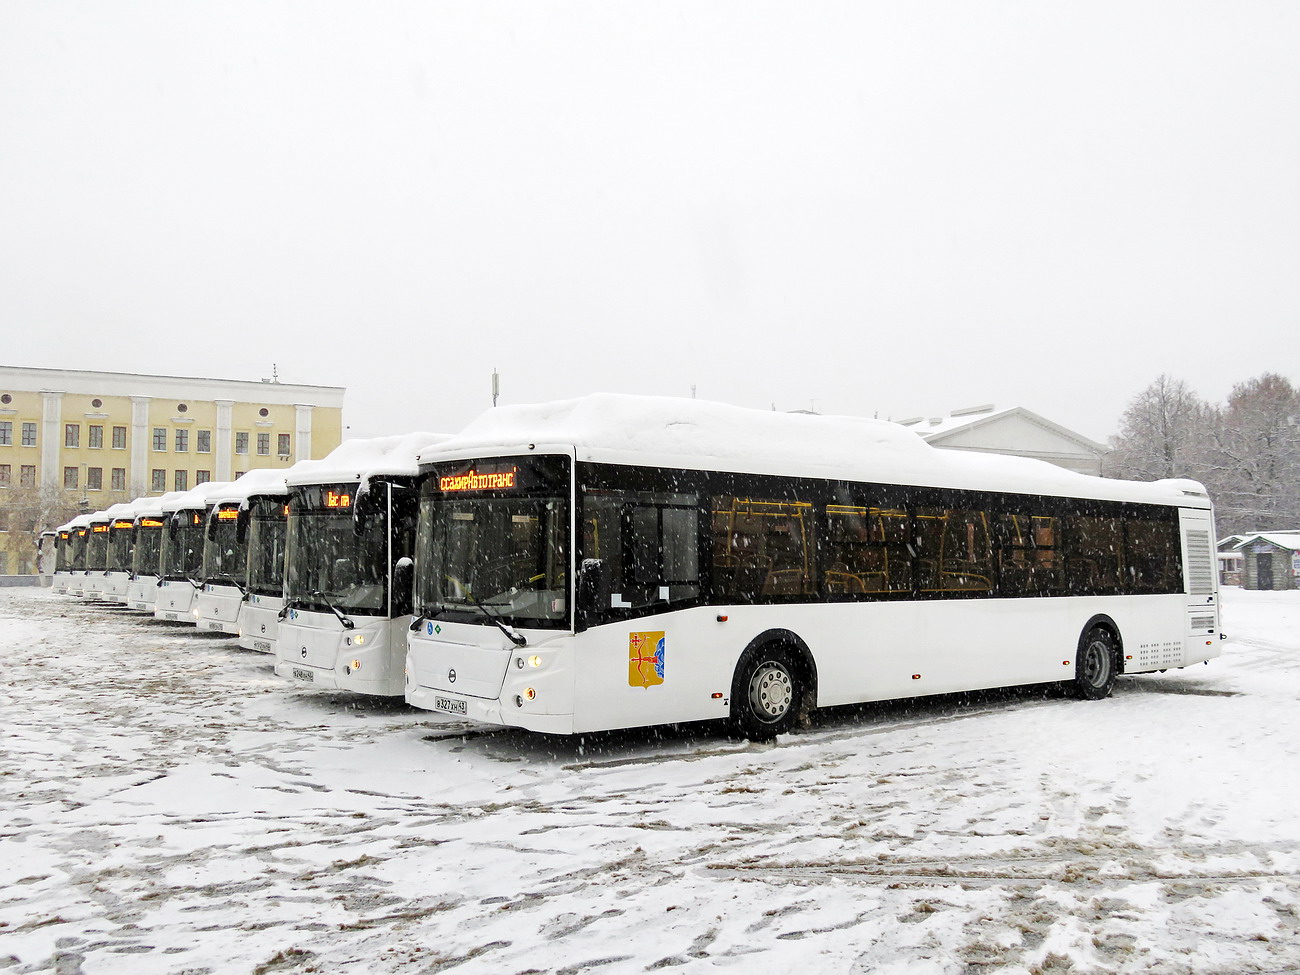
[(360, 459), (259, 482), (199, 497), (153, 507), (700, 435)]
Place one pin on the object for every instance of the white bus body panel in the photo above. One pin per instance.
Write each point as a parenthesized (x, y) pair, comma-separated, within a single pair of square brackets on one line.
[(175, 601), (142, 593), (259, 622), (113, 588), (217, 605), (315, 648), (864, 651), (61, 581)]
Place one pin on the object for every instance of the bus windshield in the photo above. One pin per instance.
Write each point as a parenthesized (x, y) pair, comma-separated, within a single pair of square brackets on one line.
[(328, 561), (223, 555), (267, 526), (493, 541), (182, 546), (147, 554), (97, 548), (119, 546), (62, 553), (77, 559)]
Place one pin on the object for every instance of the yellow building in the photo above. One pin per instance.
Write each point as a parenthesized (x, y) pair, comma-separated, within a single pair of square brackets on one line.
[(73, 440)]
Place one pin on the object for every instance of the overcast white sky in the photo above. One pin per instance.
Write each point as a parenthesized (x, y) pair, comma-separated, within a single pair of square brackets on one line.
[(892, 208)]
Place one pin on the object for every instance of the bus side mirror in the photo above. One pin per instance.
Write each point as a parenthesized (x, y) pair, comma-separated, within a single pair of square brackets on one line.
[(590, 582), (212, 526), (403, 576), (241, 525), (364, 508), (173, 525)]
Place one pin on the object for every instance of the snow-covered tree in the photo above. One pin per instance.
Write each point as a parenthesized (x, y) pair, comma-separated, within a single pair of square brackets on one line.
[(1165, 432), (1256, 471)]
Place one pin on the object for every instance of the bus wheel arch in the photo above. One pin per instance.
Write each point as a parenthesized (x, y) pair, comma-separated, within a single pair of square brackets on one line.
[(773, 686), (1098, 659)]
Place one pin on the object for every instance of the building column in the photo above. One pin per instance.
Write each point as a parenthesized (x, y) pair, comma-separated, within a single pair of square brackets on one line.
[(51, 438), (302, 433), (137, 475), (225, 439)]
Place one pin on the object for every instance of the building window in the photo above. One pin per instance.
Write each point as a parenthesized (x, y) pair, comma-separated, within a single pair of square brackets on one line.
[(182, 441), (6, 472), (182, 481), (119, 438), (119, 478), (264, 444), (202, 477), (203, 442), (94, 478), (27, 475), (282, 444), (29, 434), (241, 443), (160, 438), (7, 432), (70, 477), (72, 434), (95, 436), (238, 475), (159, 481)]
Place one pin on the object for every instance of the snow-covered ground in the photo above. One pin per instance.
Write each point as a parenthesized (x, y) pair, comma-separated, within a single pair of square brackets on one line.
[(168, 805)]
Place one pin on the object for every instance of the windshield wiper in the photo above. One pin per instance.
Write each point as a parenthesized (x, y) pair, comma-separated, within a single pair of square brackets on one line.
[(289, 604), (518, 639), (347, 623)]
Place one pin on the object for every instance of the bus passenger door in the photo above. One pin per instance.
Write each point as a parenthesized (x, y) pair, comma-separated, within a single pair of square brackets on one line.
[(1200, 584)]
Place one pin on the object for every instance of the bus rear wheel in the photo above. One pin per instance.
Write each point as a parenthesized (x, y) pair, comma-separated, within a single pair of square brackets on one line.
[(766, 695), (1095, 667)]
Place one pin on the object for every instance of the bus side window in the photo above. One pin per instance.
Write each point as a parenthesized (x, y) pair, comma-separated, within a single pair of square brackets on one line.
[(647, 546), (954, 551), (1093, 554), (761, 548)]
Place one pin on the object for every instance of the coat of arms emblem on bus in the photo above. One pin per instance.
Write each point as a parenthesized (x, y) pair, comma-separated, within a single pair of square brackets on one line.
[(645, 659)]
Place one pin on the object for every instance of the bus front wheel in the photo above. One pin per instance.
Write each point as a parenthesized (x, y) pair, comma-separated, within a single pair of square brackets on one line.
[(1095, 666), (766, 695)]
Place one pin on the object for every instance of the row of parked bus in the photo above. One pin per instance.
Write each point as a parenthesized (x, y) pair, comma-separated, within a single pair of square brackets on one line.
[(620, 561)]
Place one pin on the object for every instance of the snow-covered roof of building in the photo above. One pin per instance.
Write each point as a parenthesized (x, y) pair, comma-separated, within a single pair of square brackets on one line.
[(939, 428), (697, 435), (199, 497), (358, 460), (1289, 539)]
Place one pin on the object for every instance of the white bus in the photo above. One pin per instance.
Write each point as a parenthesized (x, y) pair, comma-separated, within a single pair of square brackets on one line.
[(117, 554), (78, 542), (146, 552), (181, 561), (62, 559), (615, 562), (47, 555), (228, 603), (347, 589)]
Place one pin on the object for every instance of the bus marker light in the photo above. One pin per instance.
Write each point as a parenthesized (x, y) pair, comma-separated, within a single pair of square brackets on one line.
[(534, 661), (356, 665), (530, 694), (916, 677), (722, 619), (1065, 663), (717, 695), (360, 639)]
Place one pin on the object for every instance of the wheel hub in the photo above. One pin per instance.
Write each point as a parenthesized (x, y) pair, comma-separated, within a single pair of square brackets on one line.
[(771, 692)]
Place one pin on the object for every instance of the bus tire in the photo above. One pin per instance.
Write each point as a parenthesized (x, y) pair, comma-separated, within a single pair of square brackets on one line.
[(1096, 665), (767, 693)]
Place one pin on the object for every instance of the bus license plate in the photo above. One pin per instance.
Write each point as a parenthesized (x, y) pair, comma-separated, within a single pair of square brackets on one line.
[(449, 704), (213, 624), (307, 675), (171, 616), (262, 645)]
